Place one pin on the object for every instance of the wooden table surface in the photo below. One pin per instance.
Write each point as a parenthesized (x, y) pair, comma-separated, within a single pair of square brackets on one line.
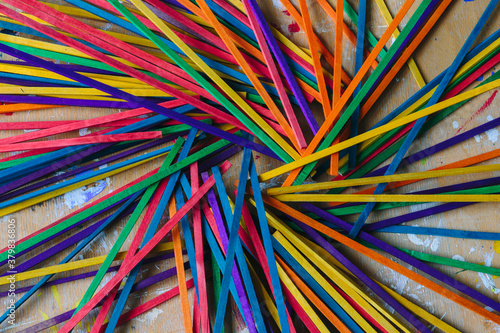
[(434, 55)]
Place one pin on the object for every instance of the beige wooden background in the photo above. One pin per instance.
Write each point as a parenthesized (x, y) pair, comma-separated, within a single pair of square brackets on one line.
[(434, 55)]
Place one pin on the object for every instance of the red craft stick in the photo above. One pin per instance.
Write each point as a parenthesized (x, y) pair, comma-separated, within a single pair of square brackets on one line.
[(81, 141)]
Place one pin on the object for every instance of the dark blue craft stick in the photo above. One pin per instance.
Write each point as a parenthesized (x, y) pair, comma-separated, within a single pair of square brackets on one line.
[(419, 123)]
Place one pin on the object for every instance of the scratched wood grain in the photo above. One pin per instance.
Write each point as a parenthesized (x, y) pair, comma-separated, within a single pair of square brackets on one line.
[(434, 55)]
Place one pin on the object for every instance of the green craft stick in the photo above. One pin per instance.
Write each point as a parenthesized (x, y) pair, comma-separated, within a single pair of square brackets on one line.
[(128, 227), (11, 163), (356, 101), (119, 196), (217, 282), (257, 131)]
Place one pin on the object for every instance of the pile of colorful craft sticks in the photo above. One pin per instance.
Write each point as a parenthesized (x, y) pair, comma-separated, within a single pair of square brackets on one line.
[(192, 94)]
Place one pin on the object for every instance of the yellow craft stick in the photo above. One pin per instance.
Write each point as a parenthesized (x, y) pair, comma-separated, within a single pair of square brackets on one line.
[(382, 179), (339, 279), (301, 300), (341, 301), (349, 276), (379, 130), (388, 197), (47, 196), (75, 265), (411, 63)]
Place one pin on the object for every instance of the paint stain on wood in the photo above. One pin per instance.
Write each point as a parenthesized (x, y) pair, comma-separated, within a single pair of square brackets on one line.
[(294, 27), (481, 110)]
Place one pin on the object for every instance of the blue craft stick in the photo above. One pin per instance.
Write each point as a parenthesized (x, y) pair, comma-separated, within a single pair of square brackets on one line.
[(231, 252), (357, 66), (329, 301), (450, 72), (268, 247)]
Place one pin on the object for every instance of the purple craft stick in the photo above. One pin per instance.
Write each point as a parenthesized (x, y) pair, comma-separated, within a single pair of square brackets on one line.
[(91, 166), (76, 68), (67, 315), (285, 69), (362, 277), (67, 101), (211, 161), (406, 258)]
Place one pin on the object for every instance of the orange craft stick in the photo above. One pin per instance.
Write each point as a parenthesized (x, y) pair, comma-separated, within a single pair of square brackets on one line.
[(298, 18), (350, 89), (372, 254), (18, 107), (404, 57), (334, 160), (346, 31), (318, 69), (181, 274), (313, 298)]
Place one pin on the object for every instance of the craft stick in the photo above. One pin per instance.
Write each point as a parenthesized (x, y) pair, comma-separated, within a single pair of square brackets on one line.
[(226, 87), (67, 315), (350, 89), (387, 262), (141, 254), (179, 262), (292, 119), (435, 97), (200, 265), (441, 172), (228, 90), (223, 243), (318, 69), (283, 269), (73, 265), (382, 129), (18, 107)]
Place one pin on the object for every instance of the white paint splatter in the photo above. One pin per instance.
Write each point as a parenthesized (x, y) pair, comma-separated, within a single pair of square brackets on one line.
[(492, 135), (488, 258), (472, 250), (488, 282), (455, 124), (82, 195), (435, 244), (84, 131), (415, 297), (490, 118), (30, 130), (478, 138), (458, 257), (150, 316)]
